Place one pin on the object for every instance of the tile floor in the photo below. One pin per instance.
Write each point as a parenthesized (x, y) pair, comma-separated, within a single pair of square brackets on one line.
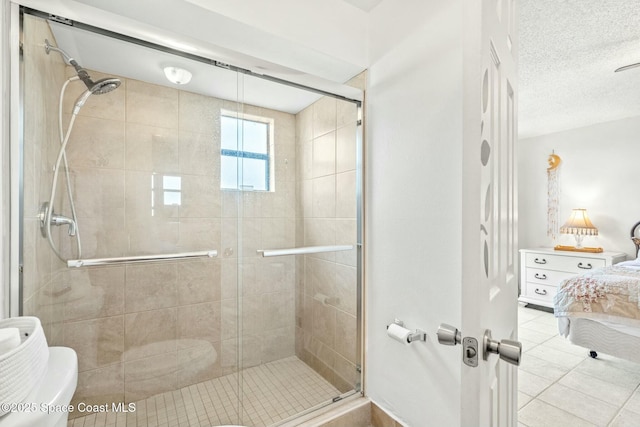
[(272, 392), (560, 385)]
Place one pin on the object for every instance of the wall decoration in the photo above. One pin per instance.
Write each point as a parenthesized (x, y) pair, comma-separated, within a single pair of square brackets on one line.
[(553, 194)]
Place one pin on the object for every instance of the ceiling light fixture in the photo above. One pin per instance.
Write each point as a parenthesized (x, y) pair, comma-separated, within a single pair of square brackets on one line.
[(177, 75)]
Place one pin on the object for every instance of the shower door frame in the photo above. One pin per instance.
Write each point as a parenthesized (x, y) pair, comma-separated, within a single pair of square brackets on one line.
[(16, 111)]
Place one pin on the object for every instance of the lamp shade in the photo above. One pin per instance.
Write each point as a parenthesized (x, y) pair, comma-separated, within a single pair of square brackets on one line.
[(579, 224)]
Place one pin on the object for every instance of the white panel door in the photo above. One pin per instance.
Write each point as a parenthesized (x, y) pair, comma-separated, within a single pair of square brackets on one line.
[(490, 281)]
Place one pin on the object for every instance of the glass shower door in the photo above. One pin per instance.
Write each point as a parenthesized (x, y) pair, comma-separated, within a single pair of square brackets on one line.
[(297, 256)]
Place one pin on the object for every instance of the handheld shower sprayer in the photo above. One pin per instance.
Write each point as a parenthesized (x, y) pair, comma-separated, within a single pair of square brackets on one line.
[(47, 215)]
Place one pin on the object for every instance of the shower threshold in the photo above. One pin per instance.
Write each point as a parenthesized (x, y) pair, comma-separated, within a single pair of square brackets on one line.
[(271, 392)]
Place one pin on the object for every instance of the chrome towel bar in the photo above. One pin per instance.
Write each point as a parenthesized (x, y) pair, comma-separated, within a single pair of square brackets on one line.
[(304, 250), (139, 259)]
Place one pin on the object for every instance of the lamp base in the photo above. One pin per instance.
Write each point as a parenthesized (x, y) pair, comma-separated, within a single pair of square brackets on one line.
[(574, 249)]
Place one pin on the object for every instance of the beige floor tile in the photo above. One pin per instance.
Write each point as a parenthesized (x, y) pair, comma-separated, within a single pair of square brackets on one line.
[(532, 384), (540, 414), (603, 390), (561, 343), (579, 404), (556, 357), (523, 399), (542, 368), (626, 419), (533, 335), (633, 404), (270, 393), (607, 371)]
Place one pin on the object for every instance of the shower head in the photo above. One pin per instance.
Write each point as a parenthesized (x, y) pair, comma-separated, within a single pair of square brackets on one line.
[(101, 86), (104, 85)]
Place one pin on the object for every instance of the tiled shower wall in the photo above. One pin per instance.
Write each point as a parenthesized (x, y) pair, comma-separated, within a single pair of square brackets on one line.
[(43, 76), (144, 329), (326, 285)]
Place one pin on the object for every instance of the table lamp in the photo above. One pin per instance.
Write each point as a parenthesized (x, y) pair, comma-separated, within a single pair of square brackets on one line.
[(579, 225)]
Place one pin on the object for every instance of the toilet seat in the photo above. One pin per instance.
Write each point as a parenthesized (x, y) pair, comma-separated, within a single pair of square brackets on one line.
[(56, 388)]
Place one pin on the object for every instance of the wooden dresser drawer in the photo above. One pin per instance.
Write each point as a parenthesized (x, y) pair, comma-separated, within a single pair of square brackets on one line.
[(575, 264), (547, 277), (542, 293)]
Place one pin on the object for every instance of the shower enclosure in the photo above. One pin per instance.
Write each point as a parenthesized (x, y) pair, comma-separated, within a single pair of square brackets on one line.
[(220, 275)]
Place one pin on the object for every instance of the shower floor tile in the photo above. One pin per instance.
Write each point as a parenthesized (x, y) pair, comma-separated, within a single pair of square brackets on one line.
[(272, 392)]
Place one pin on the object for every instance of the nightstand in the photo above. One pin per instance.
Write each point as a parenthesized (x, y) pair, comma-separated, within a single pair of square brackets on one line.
[(542, 270)]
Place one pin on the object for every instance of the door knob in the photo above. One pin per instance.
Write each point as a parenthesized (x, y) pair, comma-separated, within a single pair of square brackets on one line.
[(509, 351), (448, 335)]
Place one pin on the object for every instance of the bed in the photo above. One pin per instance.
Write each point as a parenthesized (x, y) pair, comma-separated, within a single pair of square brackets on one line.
[(600, 309)]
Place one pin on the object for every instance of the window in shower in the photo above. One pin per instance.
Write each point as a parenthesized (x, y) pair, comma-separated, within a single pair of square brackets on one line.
[(246, 152)]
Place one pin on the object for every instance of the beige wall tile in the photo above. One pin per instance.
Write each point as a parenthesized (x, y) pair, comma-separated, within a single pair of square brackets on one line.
[(346, 195), (324, 155), (151, 148), (199, 323), (98, 342), (304, 124), (100, 386), (346, 235), (200, 197), (380, 418), (198, 364), (346, 113), (199, 281), (346, 336), (149, 333), (324, 322), (229, 278), (150, 376), (278, 344), (345, 290), (90, 293), (229, 319), (199, 154), (97, 192), (151, 286), (199, 113), (324, 116), (199, 234), (97, 143), (324, 197), (304, 160), (278, 311), (346, 148), (151, 104), (320, 277)]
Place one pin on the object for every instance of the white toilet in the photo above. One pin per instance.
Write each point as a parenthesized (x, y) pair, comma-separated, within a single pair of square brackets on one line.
[(53, 392)]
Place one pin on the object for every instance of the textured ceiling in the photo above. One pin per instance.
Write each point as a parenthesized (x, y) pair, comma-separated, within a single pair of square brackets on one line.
[(568, 51)]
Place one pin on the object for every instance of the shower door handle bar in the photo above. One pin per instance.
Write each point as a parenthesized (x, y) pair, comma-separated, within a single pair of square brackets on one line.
[(142, 258), (303, 250)]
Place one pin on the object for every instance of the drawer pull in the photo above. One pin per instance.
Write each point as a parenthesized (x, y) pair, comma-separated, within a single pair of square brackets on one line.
[(588, 267), (540, 276), (540, 292), (540, 261)]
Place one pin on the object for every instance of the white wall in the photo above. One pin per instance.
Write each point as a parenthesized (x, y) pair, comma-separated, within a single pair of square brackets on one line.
[(599, 172), (413, 207)]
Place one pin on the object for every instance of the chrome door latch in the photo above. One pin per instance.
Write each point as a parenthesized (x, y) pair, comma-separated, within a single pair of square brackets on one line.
[(450, 335), (470, 351)]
